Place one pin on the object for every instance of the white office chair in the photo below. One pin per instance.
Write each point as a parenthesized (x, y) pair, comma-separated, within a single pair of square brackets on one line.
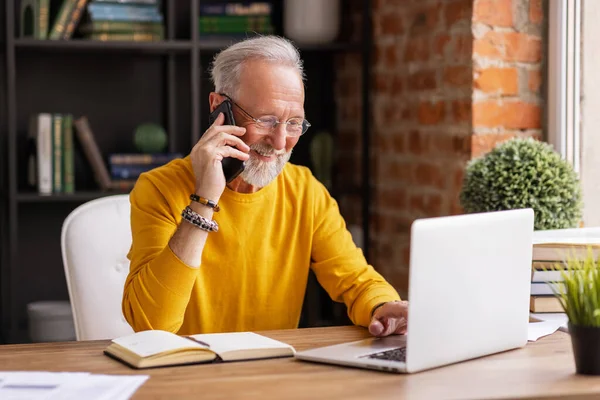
[(95, 239)]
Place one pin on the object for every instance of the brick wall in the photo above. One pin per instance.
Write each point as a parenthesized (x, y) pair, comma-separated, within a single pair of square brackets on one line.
[(507, 71), (451, 78)]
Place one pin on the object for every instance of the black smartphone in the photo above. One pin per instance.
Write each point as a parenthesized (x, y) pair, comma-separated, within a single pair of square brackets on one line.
[(232, 167)]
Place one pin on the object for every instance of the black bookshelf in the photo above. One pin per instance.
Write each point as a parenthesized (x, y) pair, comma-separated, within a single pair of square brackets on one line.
[(119, 85)]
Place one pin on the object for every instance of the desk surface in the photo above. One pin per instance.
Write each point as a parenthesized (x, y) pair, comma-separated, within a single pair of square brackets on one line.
[(543, 369)]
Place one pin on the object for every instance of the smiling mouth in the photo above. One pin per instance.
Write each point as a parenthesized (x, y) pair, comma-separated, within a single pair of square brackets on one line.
[(265, 156)]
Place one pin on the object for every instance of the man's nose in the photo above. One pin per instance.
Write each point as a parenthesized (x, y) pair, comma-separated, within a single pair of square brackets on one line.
[(278, 136)]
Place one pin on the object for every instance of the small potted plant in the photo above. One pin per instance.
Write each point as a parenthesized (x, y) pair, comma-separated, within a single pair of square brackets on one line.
[(524, 173), (580, 299)]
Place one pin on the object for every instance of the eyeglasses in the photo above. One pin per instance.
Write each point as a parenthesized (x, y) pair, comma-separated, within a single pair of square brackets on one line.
[(294, 126)]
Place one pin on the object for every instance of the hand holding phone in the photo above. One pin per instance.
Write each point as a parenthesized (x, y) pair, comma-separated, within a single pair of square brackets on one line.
[(219, 155), (232, 167)]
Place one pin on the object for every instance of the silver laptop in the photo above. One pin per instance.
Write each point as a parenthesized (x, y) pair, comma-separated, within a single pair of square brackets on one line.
[(469, 287)]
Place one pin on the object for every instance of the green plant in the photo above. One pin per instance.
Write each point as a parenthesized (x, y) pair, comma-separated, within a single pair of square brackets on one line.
[(580, 294), (524, 173)]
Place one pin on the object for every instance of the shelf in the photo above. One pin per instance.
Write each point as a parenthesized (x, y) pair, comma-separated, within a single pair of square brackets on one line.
[(159, 47), (33, 197)]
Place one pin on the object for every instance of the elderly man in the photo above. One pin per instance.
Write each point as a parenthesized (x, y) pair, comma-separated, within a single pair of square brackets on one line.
[(211, 256)]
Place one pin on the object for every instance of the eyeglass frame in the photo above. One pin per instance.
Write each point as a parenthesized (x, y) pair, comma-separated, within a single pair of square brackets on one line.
[(305, 123)]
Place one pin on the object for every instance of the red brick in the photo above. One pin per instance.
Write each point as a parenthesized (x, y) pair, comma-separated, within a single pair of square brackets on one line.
[(440, 44), (397, 84), (493, 12), (398, 144), (391, 198), (509, 46), (461, 110), (417, 49), (457, 11), (391, 56), (498, 80), (426, 174), (510, 115), (536, 13), (417, 142), (431, 113), (382, 84), (458, 76), (391, 23), (422, 80), (462, 49), (429, 205), (534, 80), (482, 144)]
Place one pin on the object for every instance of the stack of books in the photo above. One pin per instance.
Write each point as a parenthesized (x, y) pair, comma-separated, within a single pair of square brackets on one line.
[(222, 21), (551, 250), (125, 168), (112, 20)]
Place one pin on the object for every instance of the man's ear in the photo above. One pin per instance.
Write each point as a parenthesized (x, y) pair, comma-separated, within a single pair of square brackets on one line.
[(214, 99)]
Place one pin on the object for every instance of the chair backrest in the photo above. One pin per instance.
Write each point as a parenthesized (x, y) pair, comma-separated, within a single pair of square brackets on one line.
[(95, 239)]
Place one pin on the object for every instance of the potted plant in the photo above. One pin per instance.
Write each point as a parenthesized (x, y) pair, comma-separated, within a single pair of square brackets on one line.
[(524, 173), (580, 299)]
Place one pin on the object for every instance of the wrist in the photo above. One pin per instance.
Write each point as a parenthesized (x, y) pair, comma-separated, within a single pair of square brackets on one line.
[(377, 306), (201, 209)]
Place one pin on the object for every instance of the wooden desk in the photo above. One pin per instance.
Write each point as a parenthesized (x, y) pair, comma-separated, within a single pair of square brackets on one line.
[(543, 369)]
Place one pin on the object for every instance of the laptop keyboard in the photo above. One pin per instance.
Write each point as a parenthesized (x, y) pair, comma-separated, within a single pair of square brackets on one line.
[(398, 354)]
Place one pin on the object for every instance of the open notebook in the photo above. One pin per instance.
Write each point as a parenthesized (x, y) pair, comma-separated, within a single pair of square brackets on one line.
[(155, 348)]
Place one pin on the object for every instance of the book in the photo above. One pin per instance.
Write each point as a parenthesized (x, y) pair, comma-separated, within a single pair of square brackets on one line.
[(546, 288), (563, 244), (156, 348), (92, 152), (545, 304)]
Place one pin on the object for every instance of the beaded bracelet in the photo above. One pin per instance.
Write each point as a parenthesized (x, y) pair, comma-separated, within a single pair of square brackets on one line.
[(199, 221), (206, 202)]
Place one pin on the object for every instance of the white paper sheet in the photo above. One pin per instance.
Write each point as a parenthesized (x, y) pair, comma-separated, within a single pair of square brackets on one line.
[(540, 329), (39, 385)]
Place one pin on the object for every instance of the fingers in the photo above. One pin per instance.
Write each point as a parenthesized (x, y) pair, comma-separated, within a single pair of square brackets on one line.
[(228, 151), (219, 120), (376, 328)]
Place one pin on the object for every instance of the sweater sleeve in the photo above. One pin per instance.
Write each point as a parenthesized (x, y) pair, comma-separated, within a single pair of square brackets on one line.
[(159, 284), (340, 266)]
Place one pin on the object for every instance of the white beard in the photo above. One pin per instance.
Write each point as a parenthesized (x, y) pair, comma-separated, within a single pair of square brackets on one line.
[(261, 173)]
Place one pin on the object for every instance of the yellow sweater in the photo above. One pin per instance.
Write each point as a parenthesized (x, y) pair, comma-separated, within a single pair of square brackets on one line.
[(254, 270)]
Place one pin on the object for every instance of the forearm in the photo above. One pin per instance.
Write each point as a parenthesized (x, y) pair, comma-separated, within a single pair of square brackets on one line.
[(158, 289), (188, 241)]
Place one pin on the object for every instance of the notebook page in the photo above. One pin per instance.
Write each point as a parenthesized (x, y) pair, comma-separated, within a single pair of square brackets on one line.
[(224, 342), (148, 343)]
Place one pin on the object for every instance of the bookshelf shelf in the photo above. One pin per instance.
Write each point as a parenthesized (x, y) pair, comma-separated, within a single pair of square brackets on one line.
[(161, 47), (33, 197)]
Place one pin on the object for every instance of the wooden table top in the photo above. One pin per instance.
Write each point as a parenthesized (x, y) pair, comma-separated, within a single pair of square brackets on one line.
[(542, 369)]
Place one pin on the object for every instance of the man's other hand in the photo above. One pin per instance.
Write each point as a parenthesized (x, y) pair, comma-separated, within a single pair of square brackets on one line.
[(390, 319)]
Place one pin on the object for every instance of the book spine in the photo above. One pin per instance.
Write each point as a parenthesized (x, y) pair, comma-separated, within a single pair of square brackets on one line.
[(43, 19), (133, 36), (92, 152), (57, 153), (74, 19), (44, 153), (128, 159), (62, 19), (122, 27), (68, 156)]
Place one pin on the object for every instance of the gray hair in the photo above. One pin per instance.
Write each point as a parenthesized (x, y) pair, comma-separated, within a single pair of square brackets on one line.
[(227, 65)]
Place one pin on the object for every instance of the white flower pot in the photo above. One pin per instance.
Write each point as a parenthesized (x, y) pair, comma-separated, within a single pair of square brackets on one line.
[(311, 21)]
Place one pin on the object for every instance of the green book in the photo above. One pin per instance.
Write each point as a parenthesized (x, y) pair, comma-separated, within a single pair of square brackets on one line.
[(67, 154), (34, 18), (57, 134)]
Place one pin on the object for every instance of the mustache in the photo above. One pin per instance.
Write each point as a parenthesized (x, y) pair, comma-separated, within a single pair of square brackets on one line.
[(266, 149)]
